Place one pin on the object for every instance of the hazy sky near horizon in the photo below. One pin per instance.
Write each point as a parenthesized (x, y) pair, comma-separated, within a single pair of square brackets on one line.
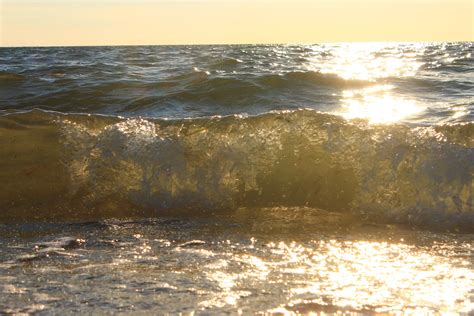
[(135, 22)]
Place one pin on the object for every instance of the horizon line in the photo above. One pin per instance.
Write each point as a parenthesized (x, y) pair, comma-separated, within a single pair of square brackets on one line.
[(239, 44)]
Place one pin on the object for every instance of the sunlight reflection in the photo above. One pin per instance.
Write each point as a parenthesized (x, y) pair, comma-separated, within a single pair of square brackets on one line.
[(377, 105), (367, 61), (351, 276), (371, 62), (458, 112), (391, 277)]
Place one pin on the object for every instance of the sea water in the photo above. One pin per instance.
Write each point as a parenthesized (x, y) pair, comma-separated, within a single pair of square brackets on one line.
[(331, 178)]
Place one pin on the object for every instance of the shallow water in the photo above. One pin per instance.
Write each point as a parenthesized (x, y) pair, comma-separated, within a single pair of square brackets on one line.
[(331, 178), (266, 260)]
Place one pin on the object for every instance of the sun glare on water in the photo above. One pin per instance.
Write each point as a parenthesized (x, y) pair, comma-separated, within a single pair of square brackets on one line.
[(377, 105), (358, 277), (370, 62)]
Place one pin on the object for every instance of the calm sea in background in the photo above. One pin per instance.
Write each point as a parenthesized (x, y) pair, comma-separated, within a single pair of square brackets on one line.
[(237, 179)]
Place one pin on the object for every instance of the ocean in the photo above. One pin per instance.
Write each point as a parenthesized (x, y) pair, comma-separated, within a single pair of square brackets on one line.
[(237, 179)]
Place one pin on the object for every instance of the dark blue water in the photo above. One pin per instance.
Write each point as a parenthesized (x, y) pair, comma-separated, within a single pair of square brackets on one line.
[(423, 83)]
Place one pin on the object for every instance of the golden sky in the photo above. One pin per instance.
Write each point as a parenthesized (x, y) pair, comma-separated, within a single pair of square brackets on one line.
[(134, 22)]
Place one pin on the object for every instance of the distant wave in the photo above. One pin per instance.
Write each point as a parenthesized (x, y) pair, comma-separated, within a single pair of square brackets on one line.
[(10, 77), (194, 88), (311, 77), (225, 62), (87, 167)]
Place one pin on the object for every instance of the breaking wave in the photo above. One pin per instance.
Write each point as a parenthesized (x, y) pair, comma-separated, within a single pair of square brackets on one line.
[(86, 167)]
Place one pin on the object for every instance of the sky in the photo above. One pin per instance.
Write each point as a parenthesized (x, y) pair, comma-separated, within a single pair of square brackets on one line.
[(150, 22)]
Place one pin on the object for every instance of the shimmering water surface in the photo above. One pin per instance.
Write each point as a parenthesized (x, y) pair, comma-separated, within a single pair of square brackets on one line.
[(332, 178), (268, 260), (419, 82)]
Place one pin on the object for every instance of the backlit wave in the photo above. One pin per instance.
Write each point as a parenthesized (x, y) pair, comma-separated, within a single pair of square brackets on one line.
[(86, 167)]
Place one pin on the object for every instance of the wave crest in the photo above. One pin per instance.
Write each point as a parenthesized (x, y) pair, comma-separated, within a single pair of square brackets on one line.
[(96, 166)]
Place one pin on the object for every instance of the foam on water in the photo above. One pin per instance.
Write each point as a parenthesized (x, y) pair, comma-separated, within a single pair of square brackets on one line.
[(95, 166)]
